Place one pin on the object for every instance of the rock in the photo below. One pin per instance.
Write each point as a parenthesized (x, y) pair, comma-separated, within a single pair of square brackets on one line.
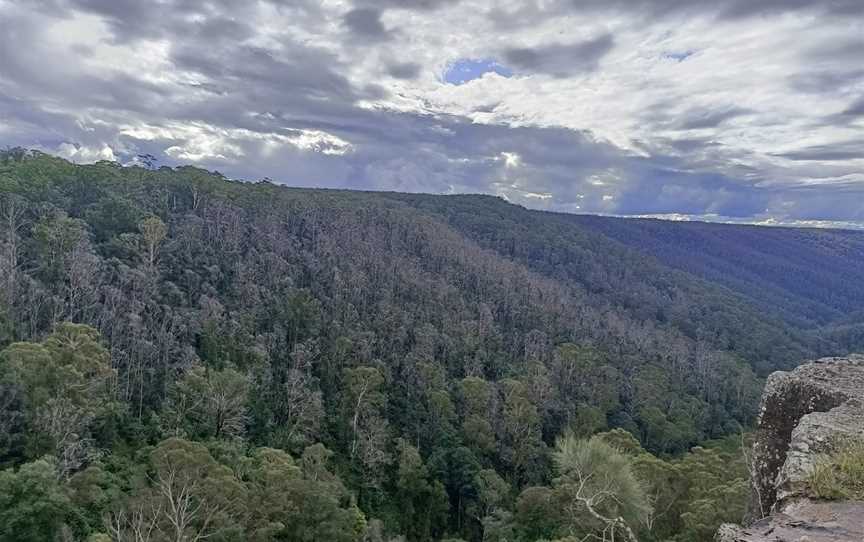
[(816, 434), (805, 413), (805, 521)]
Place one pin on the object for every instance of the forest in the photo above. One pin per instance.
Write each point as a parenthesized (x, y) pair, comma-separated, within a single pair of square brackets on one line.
[(185, 357)]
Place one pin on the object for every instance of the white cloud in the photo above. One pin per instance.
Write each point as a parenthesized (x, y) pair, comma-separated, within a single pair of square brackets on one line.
[(84, 155), (204, 142), (511, 159)]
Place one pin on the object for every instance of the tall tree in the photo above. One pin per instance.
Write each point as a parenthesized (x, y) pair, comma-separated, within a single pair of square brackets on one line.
[(33, 504), (68, 387), (599, 490), (208, 403)]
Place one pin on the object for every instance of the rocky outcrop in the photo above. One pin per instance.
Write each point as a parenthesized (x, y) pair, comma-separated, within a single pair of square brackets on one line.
[(805, 413)]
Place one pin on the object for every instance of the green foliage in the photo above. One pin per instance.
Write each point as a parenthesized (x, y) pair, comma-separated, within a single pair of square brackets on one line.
[(288, 504), (33, 503), (196, 496), (207, 403), (67, 391), (493, 491), (538, 514), (55, 238), (840, 475), (708, 509), (599, 487), (588, 420), (521, 442), (422, 501)]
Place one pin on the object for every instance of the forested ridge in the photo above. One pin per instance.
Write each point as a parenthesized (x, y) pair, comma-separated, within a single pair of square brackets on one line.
[(186, 357)]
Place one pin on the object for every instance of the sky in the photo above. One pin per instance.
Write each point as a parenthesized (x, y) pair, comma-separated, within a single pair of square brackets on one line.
[(728, 110)]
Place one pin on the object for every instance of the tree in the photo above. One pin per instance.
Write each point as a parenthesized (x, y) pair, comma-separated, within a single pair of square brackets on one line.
[(295, 406), (94, 491), (12, 420), (33, 503), (493, 494), (290, 505), (522, 447), (476, 397), (583, 376), (207, 403), (363, 403), (717, 488), (153, 232), (664, 482), (457, 468), (537, 514), (423, 501), (194, 497), (12, 223), (599, 489), (492, 490), (56, 236), (68, 387)]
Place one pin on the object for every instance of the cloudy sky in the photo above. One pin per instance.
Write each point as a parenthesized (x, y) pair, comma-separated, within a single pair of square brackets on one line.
[(738, 110)]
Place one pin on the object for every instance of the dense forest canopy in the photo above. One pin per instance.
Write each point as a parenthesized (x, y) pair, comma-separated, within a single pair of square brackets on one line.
[(187, 357)]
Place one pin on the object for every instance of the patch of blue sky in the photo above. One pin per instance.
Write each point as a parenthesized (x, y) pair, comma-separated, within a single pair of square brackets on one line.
[(464, 70), (678, 56)]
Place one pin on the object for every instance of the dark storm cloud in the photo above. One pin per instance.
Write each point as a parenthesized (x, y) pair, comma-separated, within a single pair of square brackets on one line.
[(307, 71), (404, 70), (560, 60), (664, 191), (856, 109), (849, 116), (366, 23), (837, 201)]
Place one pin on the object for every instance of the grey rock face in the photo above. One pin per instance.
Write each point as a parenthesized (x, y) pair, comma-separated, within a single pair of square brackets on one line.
[(804, 414), (805, 521)]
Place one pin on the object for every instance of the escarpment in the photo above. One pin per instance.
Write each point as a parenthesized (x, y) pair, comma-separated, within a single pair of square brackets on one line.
[(806, 415)]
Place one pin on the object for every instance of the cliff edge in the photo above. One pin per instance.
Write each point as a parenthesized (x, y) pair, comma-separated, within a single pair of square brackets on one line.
[(805, 415)]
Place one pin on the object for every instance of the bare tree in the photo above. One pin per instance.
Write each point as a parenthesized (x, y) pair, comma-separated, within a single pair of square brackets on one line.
[(153, 231), (12, 221), (136, 522)]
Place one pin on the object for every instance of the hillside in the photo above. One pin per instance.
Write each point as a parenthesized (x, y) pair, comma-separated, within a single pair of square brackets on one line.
[(810, 277), (664, 272), (461, 329)]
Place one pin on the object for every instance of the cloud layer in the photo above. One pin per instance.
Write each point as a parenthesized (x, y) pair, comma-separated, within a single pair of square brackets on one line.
[(735, 110)]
